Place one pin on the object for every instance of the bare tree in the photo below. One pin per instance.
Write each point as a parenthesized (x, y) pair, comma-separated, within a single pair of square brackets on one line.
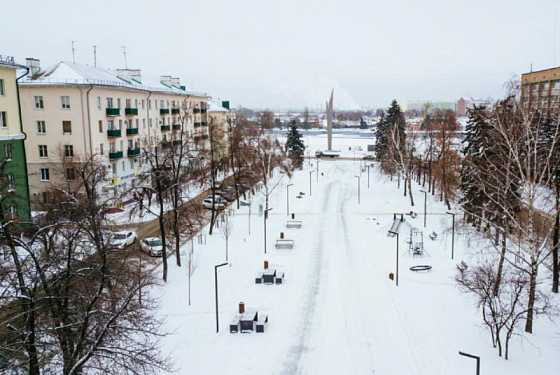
[(226, 229)]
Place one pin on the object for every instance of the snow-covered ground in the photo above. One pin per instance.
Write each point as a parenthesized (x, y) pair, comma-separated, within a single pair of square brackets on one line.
[(337, 311)]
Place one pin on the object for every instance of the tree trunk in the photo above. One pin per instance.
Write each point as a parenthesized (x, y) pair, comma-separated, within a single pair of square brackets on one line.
[(163, 239), (177, 233), (500, 264), (410, 193), (532, 292), (555, 244)]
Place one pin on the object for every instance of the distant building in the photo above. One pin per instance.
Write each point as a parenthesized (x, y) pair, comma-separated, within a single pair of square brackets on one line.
[(14, 185), (421, 105), (464, 104), (541, 89)]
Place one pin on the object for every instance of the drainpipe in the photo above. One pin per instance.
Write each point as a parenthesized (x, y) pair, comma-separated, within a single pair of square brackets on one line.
[(89, 120), (23, 142), (148, 114)]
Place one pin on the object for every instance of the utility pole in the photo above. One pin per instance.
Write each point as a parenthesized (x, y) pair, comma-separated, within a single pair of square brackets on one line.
[(453, 235)]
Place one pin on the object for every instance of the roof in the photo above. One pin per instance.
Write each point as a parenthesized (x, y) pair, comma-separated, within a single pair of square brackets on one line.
[(213, 107), (67, 73), (9, 62)]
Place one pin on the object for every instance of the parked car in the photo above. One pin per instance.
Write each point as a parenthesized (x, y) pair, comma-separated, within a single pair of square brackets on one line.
[(123, 239), (152, 245), (368, 157), (214, 202), (227, 195)]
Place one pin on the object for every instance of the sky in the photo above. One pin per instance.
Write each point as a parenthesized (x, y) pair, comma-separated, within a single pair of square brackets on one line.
[(290, 54)]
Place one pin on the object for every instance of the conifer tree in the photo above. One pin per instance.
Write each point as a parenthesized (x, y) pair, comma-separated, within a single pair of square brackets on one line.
[(295, 146), (393, 121)]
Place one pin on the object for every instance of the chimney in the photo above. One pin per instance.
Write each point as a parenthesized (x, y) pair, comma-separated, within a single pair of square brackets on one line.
[(34, 65), (241, 308), (225, 104), (176, 82), (166, 80), (136, 75)]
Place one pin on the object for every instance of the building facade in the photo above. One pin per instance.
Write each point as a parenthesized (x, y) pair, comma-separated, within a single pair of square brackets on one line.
[(13, 173), (541, 89), (75, 111)]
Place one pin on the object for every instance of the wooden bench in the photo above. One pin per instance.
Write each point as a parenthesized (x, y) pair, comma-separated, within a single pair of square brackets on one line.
[(259, 326), (234, 325), (294, 224), (279, 277), (284, 244), (259, 278)]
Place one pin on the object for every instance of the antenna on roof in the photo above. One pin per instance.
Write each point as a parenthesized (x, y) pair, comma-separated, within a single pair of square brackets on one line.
[(95, 56), (73, 53), (124, 53)]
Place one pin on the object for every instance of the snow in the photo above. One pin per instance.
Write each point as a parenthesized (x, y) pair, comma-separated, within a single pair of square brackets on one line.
[(337, 311)]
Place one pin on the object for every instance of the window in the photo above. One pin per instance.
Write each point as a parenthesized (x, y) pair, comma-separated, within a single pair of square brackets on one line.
[(101, 149), (2, 87), (161, 103), (120, 124), (114, 167), (142, 103), (143, 123), (43, 153), (131, 163), (100, 126), (137, 123), (7, 151), (127, 103), (45, 175), (149, 104), (150, 123), (130, 144), (118, 102), (556, 84), (65, 102), (135, 103), (39, 102), (123, 168), (69, 151), (155, 102), (66, 127), (46, 197), (3, 119), (109, 102), (99, 102), (112, 147), (111, 125), (41, 129), (11, 182), (70, 174)]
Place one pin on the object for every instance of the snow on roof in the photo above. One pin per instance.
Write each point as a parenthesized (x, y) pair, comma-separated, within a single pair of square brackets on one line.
[(67, 73), (213, 107)]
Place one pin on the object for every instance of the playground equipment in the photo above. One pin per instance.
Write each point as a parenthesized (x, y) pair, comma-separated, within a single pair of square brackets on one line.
[(416, 242), (396, 225)]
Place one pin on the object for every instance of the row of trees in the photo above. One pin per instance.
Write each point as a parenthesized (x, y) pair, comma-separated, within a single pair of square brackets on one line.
[(71, 302)]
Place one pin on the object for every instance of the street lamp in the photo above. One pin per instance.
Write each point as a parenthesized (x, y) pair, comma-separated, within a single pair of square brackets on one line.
[(425, 199), (358, 177), (288, 199), (368, 175), (310, 181), (453, 234), (473, 357), (265, 217), (216, 287), (318, 161), (397, 234)]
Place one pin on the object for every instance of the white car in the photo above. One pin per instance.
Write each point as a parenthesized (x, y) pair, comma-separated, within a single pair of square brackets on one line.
[(215, 202), (152, 245), (123, 239)]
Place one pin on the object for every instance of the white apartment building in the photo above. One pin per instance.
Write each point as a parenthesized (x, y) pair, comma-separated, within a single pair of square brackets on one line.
[(72, 110)]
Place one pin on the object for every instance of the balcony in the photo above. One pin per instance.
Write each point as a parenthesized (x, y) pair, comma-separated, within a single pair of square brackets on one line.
[(204, 123), (165, 128), (176, 126), (175, 111), (196, 138), (113, 133), (133, 151), (131, 111), (115, 155), (131, 131), (197, 124), (203, 110), (166, 145), (113, 111), (164, 111), (196, 110), (177, 143), (204, 136)]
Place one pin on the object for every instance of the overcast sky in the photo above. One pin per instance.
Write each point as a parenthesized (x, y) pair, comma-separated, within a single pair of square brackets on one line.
[(288, 53)]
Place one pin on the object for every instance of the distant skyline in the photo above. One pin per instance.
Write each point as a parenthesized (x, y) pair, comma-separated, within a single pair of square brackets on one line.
[(290, 54)]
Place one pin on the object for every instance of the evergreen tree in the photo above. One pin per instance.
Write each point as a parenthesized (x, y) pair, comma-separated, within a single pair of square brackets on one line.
[(393, 121), (363, 124), (294, 145)]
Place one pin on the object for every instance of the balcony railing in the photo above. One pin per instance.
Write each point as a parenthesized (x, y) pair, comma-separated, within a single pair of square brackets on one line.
[(166, 144), (113, 133), (131, 131), (131, 111), (196, 138), (204, 136), (164, 111), (203, 110), (176, 126), (204, 123), (133, 151), (175, 111), (165, 128), (197, 124), (113, 111), (196, 110), (177, 143), (115, 155)]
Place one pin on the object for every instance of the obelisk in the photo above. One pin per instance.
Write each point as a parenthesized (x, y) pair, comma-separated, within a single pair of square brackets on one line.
[(329, 120)]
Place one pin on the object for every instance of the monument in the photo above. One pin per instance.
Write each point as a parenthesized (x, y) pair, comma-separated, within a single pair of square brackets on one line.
[(329, 121)]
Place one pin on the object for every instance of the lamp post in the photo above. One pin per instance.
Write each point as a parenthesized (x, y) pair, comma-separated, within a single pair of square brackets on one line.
[(288, 199), (425, 199), (368, 176), (452, 235), (216, 287), (354, 156), (358, 177), (397, 234), (310, 172), (473, 357), (265, 217), (318, 161)]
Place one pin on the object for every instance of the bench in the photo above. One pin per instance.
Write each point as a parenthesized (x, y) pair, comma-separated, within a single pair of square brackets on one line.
[(284, 244), (259, 326), (268, 276), (247, 320), (279, 277), (259, 278), (294, 224), (234, 325), (433, 236)]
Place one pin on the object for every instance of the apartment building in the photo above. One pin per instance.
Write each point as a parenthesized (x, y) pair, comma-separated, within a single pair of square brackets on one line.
[(71, 111), (14, 186), (541, 89)]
